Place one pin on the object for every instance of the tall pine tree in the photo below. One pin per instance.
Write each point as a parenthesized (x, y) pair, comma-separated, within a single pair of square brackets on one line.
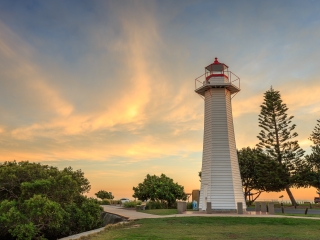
[(276, 136), (315, 135), (312, 177)]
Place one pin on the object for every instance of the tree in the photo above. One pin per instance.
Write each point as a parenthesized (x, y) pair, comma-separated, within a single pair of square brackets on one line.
[(25, 179), (259, 173), (102, 194), (161, 189), (29, 219), (276, 136), (36, 204), (248, 161), (313, 163), (315, 135), (309, 174)]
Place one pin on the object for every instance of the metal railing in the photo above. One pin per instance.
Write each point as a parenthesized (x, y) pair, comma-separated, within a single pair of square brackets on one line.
[(232, 78)]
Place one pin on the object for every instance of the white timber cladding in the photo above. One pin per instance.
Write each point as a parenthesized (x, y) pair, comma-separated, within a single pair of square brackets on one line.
[(220, 167)]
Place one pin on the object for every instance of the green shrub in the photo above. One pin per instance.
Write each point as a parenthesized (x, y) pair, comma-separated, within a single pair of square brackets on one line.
[(189, 205), (159, 189), (105, 202), (156, 205), (116, 202), (36, 204), (132, 204), (173, 205), (83, 216), (102, 194)]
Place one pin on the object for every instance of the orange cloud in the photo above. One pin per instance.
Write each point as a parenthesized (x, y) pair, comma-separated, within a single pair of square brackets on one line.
[(147, 98)]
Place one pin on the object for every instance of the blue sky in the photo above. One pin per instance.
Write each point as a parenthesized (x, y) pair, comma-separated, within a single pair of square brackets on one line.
[(108, 86)]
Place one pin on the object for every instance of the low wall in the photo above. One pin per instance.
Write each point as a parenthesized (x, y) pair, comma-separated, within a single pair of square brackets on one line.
[(111, 218), (107, 218)]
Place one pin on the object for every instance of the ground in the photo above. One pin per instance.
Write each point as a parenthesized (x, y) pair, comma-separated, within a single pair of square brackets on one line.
[(214, 228)]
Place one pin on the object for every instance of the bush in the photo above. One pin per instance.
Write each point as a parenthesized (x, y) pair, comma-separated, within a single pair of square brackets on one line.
[(132, 204), (83, 216), (159, 189), (189, 205), (174, 205), (105, 202), (102, 194), (156, 205), (36, 204), (116, 202)]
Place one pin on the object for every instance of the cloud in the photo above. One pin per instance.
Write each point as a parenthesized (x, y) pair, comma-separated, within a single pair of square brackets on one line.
[(29, 87), (114, 83), (146, 99)]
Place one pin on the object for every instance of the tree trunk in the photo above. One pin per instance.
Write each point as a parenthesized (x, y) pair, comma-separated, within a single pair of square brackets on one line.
[(293, 201), (259, 193)]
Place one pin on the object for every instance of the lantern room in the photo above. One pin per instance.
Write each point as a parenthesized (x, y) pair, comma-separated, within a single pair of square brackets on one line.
[(217, 75), (216, 69)]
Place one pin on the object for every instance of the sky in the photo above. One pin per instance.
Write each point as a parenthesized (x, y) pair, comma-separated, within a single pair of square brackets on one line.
[(108, 86)]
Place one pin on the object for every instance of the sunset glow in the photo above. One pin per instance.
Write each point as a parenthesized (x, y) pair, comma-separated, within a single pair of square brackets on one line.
[(108, 86)]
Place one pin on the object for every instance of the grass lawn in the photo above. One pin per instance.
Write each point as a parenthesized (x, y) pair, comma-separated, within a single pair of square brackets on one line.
[(213, 228), (160, 211), (300, 206), (299, 215)]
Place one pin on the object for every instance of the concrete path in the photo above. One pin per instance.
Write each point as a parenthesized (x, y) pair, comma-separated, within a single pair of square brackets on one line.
[(133, 214)]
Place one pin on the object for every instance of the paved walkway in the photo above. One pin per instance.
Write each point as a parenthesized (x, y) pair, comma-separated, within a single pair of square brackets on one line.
[(133, 214)]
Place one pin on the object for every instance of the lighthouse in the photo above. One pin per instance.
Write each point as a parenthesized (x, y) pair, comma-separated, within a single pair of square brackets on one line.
[(220, 178)]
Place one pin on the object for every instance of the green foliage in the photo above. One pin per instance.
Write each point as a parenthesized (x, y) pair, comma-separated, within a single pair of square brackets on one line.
[(309, 173), (24, 179), (313, 162), (276, 136), (84, 215), (102, 194), (249, 159), (29, 219), (276, 130), (36, 204), (116, 202), (161, 189), (105, 202), (132, 204), (189, 205), (315, 135), (156, 205), (260, 173)]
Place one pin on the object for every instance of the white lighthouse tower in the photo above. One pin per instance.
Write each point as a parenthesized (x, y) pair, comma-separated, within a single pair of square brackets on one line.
[(220, 179)]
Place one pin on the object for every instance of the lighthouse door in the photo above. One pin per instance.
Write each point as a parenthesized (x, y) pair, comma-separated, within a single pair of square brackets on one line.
[(205, 197)]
